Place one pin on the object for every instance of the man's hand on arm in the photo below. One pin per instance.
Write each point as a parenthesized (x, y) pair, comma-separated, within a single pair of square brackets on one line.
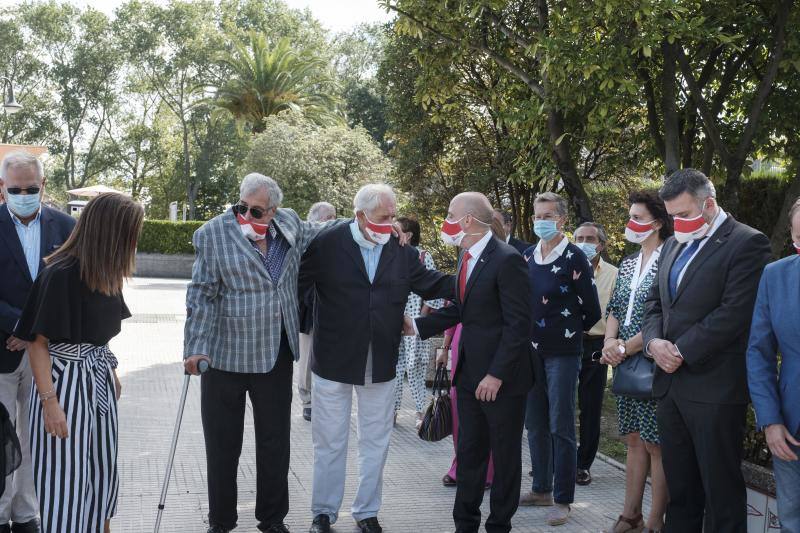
[(777, 437), (488, 388), (190, 364), (15, 344), (665, 354)]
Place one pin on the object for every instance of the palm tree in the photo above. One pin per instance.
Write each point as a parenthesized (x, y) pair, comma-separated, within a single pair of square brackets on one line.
[(266, 81)]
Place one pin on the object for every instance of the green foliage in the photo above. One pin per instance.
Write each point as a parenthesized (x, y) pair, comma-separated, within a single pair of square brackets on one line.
[(165, 237), (313, 163), (265, 81)]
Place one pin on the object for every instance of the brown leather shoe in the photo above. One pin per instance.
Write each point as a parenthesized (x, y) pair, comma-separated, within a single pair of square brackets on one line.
[(536, 499)]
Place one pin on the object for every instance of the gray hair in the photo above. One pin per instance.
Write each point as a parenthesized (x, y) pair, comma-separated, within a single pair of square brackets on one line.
[(601, 230), (21, 160), (254, 182), (687, 180), (561, 204), (370, 196), (320, 211)]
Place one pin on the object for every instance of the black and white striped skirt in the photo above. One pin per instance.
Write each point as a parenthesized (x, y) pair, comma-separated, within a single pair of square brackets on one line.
[(76, 478)]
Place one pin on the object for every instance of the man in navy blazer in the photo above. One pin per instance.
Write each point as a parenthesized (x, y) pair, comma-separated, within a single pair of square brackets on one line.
[(29, 232), (776, 395), (495, 366)]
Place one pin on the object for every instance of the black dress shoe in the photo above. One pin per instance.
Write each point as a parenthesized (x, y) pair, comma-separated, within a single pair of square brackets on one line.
[(321, 524), (276, 528), (31, 526), (217, 529), (583, 477), (307, 413), (369, 525)]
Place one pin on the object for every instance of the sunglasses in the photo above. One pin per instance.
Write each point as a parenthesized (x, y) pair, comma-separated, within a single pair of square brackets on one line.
[(257, 212), (29, 190)]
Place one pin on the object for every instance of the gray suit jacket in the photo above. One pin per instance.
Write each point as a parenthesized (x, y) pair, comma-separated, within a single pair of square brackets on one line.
[(234, 309)]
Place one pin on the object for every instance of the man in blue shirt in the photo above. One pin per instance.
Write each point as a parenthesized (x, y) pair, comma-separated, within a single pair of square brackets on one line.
[(29, 232)]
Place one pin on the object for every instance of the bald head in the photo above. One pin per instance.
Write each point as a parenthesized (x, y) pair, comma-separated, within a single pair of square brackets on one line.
[(472, 203)]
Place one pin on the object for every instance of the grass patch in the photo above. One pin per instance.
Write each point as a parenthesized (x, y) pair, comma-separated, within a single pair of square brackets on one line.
[(611, 443)]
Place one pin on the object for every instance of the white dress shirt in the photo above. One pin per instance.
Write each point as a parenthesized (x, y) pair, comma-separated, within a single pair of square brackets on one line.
[(554, 254)]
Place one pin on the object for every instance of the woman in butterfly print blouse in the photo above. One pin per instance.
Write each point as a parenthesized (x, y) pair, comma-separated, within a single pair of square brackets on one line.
[(564, 304)]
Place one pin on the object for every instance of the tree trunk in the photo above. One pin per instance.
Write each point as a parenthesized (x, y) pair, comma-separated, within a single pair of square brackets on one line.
[(781, 229), (672, 142), (562, 157), (191, 189)]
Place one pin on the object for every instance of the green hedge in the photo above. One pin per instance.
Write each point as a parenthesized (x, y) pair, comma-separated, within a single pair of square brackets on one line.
[(165, 237)]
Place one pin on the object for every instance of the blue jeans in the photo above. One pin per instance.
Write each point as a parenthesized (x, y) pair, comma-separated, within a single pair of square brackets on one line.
[(787, 479), (550, 420)]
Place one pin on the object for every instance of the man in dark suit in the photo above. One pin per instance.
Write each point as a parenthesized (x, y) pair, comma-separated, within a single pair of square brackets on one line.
[(29, 232), (494, 371), (362, 278), (505, 218), (696, 326)]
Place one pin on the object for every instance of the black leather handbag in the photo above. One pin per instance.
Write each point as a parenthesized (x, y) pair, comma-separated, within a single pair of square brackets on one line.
[(437, 423), (634, 377)]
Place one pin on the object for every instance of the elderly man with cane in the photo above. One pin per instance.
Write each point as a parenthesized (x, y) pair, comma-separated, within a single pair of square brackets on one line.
[(242, 317)]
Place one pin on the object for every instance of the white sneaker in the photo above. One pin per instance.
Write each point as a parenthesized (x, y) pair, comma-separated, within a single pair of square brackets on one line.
[(558, 515)]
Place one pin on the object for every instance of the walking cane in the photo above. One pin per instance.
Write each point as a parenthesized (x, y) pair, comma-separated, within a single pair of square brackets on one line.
[(202, 366)]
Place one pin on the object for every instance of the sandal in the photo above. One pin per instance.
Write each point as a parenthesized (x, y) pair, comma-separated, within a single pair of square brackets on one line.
[(627, 525)]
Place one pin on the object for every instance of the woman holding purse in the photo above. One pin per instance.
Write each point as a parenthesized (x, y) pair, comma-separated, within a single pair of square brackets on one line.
[(649, 226)]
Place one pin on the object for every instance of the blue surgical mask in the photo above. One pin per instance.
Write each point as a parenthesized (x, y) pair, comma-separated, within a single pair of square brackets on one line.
[(588, 249), (545, 229), (22, 205)]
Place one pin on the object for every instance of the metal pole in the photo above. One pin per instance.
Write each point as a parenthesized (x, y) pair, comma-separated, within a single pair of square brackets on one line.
[(202, 366)]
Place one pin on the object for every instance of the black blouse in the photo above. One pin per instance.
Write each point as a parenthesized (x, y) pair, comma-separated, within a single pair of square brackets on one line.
[(61, 308)]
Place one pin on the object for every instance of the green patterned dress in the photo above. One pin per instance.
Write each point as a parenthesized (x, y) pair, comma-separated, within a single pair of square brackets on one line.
[(635, 416)]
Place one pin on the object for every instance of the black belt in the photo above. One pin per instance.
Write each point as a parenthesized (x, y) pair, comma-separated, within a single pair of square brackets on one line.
[(588, 337)]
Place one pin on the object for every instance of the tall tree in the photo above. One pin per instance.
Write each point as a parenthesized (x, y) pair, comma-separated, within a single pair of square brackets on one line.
[(266, 80)]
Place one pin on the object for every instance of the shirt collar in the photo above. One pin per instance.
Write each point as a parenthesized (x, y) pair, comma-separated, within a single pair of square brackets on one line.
[(476, 249), (18, 222), (508, 238), (558, 250), (717, 222)]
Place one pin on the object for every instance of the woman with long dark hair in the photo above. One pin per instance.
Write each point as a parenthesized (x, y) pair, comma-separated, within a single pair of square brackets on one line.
[(74, 309)]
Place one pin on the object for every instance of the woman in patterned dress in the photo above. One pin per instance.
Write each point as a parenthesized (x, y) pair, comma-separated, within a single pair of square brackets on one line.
[(414, 355), (649, 226)]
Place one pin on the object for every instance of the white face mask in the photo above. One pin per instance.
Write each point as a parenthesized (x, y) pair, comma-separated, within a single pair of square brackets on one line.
[(380, 233)]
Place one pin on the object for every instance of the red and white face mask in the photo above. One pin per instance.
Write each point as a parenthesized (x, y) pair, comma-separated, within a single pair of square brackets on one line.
[(796, 247), (638, 232), (452, 234), (689, 229), (380, 233), (252, 230)]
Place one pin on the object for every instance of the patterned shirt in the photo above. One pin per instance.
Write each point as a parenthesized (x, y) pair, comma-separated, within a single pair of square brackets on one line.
[(277, 247), (621, 302)]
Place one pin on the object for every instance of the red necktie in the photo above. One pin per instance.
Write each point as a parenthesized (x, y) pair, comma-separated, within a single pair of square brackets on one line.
[(462, 276)]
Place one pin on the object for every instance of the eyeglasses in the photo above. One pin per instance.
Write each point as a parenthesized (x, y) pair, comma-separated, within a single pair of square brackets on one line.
[(257, 212), (29, 190)]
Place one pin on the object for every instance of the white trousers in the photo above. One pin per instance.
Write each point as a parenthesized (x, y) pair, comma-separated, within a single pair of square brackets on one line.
[(330, 428), (19, 501), (304, 369)]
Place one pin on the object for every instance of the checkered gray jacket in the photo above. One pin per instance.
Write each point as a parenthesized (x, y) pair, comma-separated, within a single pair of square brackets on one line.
[(234, 309)]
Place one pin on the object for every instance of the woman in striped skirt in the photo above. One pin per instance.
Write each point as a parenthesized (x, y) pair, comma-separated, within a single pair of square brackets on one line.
[(74, 309)]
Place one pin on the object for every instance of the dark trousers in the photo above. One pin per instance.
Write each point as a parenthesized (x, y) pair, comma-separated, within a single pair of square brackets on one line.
[(702, 447), (591, 388), (222, 408), (485, 426)]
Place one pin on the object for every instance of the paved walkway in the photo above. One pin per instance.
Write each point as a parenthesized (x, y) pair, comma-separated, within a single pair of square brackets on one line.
[(414, 500)]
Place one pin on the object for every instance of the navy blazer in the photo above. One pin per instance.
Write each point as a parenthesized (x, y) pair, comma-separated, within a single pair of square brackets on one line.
[(776, 398), (351, 314), (496, 319), (15, 278)]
